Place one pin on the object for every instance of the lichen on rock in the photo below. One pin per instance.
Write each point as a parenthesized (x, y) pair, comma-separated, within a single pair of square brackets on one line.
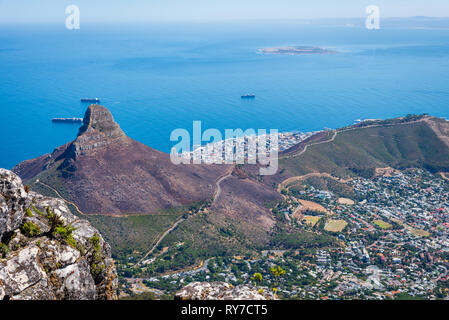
[(13, 201), (221, 291), (48, 253)]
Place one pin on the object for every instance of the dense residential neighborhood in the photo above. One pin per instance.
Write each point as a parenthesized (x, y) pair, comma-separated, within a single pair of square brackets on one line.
[(244, 146), (391, 234)]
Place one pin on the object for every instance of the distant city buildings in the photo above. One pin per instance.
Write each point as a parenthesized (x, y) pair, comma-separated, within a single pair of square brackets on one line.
[(242, 149)]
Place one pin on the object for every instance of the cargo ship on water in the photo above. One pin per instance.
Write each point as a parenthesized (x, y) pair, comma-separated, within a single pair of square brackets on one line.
[(248, 96), (68, 120), (97, 100)]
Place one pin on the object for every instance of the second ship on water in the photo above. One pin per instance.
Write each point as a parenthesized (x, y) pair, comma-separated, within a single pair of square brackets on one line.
[(97, 100)]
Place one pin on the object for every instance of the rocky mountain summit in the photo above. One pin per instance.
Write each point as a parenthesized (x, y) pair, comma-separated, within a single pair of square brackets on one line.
[(48, 253), (98, 130), (222, 291), (104, 171)]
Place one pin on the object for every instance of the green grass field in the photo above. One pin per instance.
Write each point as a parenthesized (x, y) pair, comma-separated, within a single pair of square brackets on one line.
[(335, 225), (383, 225), (312, 220)]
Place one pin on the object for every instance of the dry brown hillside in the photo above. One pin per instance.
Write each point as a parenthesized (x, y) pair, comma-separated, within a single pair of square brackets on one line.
[(104, 171)]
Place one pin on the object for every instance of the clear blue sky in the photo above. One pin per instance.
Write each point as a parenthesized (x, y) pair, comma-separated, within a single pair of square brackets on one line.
[(147, 10)]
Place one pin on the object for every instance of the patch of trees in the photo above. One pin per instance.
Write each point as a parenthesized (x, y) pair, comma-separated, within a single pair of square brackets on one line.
[(302, 240)]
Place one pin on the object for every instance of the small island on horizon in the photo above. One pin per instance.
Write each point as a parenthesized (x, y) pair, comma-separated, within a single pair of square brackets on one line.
[(295, 50)]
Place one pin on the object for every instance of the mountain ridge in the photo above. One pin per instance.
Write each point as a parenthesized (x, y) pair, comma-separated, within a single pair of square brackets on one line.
[(105, 171), (122, 176)]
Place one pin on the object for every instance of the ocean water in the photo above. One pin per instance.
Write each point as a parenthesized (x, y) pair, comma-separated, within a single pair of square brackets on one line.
[(157, 77)]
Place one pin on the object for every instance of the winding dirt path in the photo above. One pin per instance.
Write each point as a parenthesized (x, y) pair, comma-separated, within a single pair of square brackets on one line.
[(309, 145), (330, 140), (308, 175), (79, 210), (62, 198), (350, 129), (219, 181), (444, 175), (162, 237)]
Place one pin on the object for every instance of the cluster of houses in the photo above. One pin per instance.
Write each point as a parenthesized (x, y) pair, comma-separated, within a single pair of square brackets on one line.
[(396, 243), (397, 240), (243, 148)]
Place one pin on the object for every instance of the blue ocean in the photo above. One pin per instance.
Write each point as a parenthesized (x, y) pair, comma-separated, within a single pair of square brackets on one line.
[(157, 77)]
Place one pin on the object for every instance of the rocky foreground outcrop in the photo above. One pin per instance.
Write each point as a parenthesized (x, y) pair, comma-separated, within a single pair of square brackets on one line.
[(221, 291), (48, 253)]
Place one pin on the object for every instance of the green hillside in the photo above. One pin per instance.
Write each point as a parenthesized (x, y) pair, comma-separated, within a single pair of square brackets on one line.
[(359, 151), (233, 225)]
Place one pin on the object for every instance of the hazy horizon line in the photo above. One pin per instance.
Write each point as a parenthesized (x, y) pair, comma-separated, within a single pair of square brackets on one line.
[(223, 20)]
